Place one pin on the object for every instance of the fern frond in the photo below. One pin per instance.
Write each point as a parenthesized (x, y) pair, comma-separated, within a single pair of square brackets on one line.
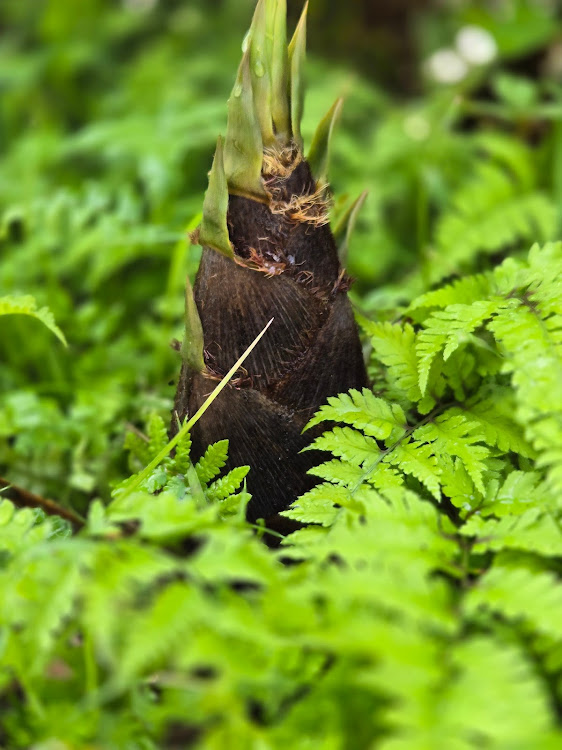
[(418, 460), (457, 484), (170, 615), (138, 448), (361, 409), (347, 443), (157, 434), (490, 212), (318, 505), (394, 346), (444, 331), (182, 457), (26, 305), (212, 461), (455, 435), (463, 291), (22, 528), (519, 491), (36, 602), (221, 488), (494, 417), (495, 681), (167, 518), (533, 350), (339, 472), (520, 594), (531, 531)]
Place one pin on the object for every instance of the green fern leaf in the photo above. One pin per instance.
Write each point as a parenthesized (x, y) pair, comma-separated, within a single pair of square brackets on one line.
[(384, 477), (454, 435), (520, 594), (157, 434), (519, 492), (212, 461), (456, 483), (532, 531), (318, 505), (139, 449), (22, 528), (26, 305), (347, 443), (494, 419), (171, 616), (446, 330), (463, 291), (418, 460), (339, 472), (182, 458), (227, 485), (533, 352), (375, 416), (484, 668), (491, 211), (394, 346)]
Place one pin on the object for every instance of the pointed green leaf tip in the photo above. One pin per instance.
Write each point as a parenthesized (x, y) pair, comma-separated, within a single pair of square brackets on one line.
[(297, 54), (192, 346), (277, 51), (319, 154), (244, 146), (260, 67), (214, 229), (345, 226), (269, 68)]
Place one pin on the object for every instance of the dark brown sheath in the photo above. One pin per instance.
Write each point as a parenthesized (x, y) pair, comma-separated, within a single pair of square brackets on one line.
[(284, 266)]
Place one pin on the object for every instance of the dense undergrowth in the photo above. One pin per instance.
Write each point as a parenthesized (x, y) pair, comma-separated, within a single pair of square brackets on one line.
[(421, 607)]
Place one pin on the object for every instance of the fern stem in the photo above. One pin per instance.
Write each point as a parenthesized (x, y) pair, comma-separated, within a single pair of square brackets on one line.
[(408, 432)]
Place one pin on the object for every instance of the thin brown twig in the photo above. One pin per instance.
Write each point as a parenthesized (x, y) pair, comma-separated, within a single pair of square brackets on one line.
[(25, 499)]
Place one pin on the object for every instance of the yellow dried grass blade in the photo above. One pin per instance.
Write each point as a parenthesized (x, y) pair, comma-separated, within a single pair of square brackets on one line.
[(188, 424)]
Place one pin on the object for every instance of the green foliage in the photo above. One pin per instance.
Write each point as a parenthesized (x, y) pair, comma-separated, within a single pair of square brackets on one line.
[(27, 305), (497, 207), (419, 607)]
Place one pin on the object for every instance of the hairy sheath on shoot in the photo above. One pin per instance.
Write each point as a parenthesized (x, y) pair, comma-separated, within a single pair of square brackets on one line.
[(269, 252)]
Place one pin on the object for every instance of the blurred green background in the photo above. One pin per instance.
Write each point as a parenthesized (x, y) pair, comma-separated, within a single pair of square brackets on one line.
[(109, 114)]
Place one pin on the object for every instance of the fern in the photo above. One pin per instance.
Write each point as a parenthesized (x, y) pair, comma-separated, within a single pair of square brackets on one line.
[(506, 590), (212, 461), (530, 531), (493, 415), (347, 443), (26, 305), (453, 435), (176, 479), (222, 488), (418, 460), (514, 679), (362, 410), (418, 606), (393, 347), (171, 616), (445, 331), (497, 208)]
